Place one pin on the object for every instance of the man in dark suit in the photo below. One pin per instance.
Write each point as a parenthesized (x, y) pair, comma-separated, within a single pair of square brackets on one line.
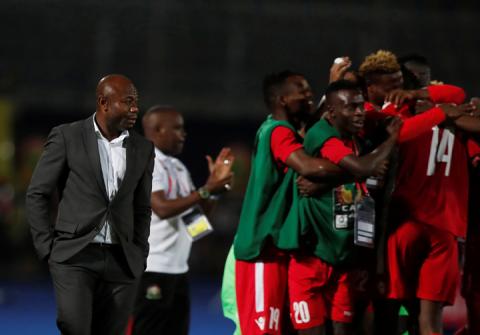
[(98, 245)]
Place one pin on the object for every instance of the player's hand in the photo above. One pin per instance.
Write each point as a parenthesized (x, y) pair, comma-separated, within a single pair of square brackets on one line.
[(399, 97), (475, 102), (338, 70), (393, 128), (453, 112), (423, 105), (307, 188), (381, 169)]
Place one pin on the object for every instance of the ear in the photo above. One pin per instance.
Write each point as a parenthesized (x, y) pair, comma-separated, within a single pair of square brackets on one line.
[(281, 100), (329, 112), (102, 101)]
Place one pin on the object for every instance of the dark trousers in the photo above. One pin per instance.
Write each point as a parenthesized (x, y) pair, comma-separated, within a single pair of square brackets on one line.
[(94, 291), (162, 305)]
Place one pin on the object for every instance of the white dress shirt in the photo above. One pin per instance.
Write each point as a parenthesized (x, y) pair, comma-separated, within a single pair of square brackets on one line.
[(113, 159)]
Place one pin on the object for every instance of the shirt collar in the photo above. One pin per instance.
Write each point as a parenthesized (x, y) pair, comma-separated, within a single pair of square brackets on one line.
[(118, 139), (160, 155)]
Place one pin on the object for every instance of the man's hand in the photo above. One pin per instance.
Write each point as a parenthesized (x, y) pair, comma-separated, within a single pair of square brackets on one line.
[(453, 112), (338, 70), (380, 169), (307, 188), (393, 128), (223, 163), (221, 175), (399, 97), (475, 102)]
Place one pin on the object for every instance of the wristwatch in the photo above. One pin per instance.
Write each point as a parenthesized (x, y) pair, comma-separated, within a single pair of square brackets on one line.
[(203, 193)]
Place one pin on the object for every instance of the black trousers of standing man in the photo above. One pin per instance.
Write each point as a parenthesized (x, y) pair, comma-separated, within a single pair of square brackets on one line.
[(97, 282)]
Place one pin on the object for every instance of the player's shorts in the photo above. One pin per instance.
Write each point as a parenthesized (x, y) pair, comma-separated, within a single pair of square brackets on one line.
[(422, 263), (261, 288), (317, 291)]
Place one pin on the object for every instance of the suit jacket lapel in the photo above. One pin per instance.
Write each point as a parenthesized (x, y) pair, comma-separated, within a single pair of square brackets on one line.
[(130, 148), (91, 146)]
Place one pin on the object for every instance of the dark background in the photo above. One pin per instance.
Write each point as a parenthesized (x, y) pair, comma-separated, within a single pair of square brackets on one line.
[(208, 59)]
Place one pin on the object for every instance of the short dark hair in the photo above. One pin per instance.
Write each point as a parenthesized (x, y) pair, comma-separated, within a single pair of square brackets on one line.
[(414, 58), (159, 109), (273, 84), (340, 85)]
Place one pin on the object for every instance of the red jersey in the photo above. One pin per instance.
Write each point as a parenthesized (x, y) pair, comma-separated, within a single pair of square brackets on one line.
[(432, 181), (335, 150), (415, 125), (283, 142)]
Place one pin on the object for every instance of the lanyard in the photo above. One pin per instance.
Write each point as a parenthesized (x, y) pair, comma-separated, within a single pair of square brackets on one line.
[(361, 186)]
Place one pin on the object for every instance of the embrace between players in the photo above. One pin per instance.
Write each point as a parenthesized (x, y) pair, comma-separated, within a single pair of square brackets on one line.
[(355, 208)]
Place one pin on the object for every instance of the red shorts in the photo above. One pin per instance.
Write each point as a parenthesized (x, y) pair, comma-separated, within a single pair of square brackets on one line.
[(261, 289), (317, 292), (422, 263)]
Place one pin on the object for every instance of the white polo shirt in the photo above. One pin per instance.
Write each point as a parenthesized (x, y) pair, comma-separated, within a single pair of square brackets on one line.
[(169, 241)]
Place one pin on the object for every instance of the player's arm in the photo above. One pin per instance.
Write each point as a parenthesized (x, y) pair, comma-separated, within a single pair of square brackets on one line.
[(287, 150), (440, 94), (374, 163), (437, 94), (314, 168), (422, 123), (470, 123)]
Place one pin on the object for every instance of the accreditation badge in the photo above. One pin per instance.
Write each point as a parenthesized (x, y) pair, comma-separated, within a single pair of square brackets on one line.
[(344, 206), (196, 224), (365, 222)]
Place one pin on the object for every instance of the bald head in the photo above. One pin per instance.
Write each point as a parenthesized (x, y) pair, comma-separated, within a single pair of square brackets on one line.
[(117, 100), (164, 126), (111, 83)]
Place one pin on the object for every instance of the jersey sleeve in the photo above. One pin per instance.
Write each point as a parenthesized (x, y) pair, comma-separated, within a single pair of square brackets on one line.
[(420, 124), (160, 180), (283, 142), (335, 150), (446, 94)]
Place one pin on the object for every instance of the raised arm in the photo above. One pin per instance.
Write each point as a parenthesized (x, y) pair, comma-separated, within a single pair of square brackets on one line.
[(220, 175)]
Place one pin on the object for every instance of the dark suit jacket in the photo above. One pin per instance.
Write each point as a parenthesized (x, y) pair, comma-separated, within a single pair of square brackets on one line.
[(70, 164)]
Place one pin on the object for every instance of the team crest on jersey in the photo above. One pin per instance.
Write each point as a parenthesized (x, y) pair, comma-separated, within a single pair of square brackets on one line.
[(154, 292), (260, 322)]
